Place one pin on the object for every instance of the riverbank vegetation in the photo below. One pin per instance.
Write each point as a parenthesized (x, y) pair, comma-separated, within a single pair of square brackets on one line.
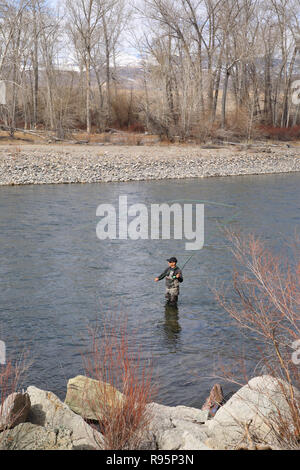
[(116, 363), (198, 70), (266, 307), (12, 377)]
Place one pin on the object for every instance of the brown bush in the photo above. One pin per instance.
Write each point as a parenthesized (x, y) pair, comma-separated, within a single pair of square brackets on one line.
[(125, 113), (114, 361), (11, 375), (267, 306), (281, 133)]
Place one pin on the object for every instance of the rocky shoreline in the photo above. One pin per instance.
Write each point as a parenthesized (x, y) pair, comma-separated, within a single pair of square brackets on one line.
[(250, 420), (56, 164)]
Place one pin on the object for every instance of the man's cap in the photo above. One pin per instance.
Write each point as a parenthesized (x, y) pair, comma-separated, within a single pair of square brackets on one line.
[(172, 260)]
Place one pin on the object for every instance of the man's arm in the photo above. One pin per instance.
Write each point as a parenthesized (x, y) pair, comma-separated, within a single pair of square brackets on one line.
[(179, 276), (162, 276)]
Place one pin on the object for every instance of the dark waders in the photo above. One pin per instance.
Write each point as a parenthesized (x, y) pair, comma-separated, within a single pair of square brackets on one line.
[(172, 293)]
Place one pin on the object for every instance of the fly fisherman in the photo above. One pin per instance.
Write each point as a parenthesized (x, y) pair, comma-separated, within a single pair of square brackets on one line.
[(173, 277)]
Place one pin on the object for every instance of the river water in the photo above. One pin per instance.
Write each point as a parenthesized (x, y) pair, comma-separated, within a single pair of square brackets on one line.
[(56, 277)]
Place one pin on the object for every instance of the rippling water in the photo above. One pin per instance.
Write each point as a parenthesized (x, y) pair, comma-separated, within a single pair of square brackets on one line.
[(56, 277)]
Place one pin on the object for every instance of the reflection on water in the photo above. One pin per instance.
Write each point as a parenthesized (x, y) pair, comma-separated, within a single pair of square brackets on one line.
[(172, 326), (56, 276)]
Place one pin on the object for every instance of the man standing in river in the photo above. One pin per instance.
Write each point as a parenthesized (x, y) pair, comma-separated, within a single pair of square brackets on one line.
[(173, 277)]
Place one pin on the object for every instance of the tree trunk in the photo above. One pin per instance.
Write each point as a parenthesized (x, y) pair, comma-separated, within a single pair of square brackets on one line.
[(107, 68), (268, 92), (216, 96), (285, 112), (35, 70), (224, 99), (88, 94)]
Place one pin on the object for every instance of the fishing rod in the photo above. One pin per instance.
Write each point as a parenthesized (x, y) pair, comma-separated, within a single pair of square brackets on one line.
[(224, 222), (189, 259), (206, 246)]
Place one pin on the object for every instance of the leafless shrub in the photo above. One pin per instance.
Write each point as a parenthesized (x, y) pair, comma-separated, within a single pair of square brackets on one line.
[(266, 305), (124, 420), (11, 376)]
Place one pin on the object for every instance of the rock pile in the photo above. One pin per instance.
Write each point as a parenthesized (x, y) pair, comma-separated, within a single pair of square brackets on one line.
[(249, 420), (73, 164)]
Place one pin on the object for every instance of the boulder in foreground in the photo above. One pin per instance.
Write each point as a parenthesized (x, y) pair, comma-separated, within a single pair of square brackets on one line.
[(48, 411), (28, 436), (250, 417), (14, 410), (88, 397)]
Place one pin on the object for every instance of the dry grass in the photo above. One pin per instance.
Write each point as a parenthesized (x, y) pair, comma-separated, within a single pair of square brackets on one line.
[(123, 420), (200, 135), (11, 376), (19, 137)]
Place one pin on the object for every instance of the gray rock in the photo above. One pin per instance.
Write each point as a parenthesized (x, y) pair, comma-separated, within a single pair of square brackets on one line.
[(174, 428), (28, 436), (88, 397), (48, 411), (163, 416), (253, 411), (14, 410), (185, 435), (180, 439)]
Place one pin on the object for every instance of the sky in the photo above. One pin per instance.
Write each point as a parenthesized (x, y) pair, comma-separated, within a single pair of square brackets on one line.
[(128, 55)]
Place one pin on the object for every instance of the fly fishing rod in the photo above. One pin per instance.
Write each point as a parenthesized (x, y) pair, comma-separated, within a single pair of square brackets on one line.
[(189, 259), (192, 256)]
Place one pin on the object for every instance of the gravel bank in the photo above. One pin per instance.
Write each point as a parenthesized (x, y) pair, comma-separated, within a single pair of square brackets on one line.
[(48, 164)]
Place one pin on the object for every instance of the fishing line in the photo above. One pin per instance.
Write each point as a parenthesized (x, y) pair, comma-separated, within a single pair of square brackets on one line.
[(188, 261), (211, 203), (197, 253), (233, 219)]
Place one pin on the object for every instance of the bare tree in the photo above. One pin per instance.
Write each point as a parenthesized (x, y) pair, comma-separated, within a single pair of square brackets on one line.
[(85, 18), (209, 66)]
